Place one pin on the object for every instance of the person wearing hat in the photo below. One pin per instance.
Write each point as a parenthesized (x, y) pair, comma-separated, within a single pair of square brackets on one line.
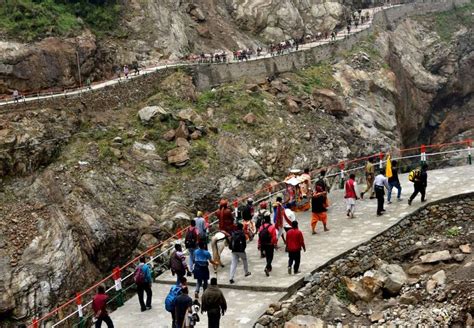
[(202, 227)]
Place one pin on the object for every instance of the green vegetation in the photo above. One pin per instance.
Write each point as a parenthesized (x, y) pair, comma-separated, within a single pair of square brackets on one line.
[(453, 232), (341, 293), (33, 19), (318, 76), (448, 22)]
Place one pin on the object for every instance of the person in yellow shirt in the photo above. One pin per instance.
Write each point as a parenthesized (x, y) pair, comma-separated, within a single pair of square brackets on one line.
[(369, 177)]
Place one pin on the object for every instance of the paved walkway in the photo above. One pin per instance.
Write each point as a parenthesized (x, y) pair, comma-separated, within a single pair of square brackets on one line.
[(164, 65), (249, 297)]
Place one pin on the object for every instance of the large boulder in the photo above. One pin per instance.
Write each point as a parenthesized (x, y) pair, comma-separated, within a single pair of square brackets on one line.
[(358, 291), (330, 102), (178, 156), (292, 105), (250, 119), (393, 278), (148, 113), (436, 257), (190, 115)]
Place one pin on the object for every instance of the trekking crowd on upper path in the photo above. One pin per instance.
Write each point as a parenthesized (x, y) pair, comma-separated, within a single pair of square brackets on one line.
[(271, 222), (355, 20)]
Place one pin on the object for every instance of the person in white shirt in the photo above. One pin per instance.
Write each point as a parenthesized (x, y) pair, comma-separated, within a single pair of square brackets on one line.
[(291, 217), (380, 183)]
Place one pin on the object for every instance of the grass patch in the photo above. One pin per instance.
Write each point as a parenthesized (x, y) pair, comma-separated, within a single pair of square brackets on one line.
[(341, 293), (448, 22), (453, 232), (319, 76), (30, 20)]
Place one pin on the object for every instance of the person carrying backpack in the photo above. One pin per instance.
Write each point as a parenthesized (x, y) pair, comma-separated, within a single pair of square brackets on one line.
[(170, 300), (267, 241), (238, 244), (190, 242), (143, 281), (177, 263), (419, 177), (323, 182)]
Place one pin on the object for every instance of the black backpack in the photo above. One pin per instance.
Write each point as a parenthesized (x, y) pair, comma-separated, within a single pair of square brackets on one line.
[(260, 219), (265, 236), (238, 242), (190, 241), (247, 213)]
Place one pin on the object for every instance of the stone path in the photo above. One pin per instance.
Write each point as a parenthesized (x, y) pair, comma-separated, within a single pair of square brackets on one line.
[(249, 297), (164, 65)]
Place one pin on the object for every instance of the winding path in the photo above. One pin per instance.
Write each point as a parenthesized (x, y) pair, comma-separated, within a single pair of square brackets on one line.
[(46, 95), (249, 297)]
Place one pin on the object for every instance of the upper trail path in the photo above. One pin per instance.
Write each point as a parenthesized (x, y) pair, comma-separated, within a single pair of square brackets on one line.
[(249, 297), (341, 35)]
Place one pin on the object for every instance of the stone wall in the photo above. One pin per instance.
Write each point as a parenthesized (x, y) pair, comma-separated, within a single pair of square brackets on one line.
[(209, 75), (323, 283)]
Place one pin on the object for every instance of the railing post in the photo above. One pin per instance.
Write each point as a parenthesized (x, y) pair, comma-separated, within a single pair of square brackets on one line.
[(116, 274), (82, 322), (35, 323), (469, 158), (380, 160), (423, 154), (341, 180)]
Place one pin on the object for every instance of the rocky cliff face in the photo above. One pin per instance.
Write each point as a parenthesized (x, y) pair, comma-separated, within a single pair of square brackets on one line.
[(434, 79)]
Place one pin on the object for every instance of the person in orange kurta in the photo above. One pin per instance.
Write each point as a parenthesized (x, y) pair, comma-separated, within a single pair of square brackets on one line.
[(319, 205)]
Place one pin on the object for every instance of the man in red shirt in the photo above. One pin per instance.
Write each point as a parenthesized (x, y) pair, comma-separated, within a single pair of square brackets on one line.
[(267, 241), (226, 218), (294, 244), (99, 305)]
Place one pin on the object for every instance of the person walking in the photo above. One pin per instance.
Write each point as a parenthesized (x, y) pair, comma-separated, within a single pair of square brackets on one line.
[(16, 96), (247, 216), (369, 178), (380, 183), (190, 242), (319, 205), (294, 244), (170, 300), (202, 227), (182, 308), (267, 241), (394, 182), (143, 280), (288, 218), (177, 263), (350, 195), (214, 303), (323, 182), (126, 71), (202, 258), (238, 244), (420, 182), (99, 306), (279, 217)]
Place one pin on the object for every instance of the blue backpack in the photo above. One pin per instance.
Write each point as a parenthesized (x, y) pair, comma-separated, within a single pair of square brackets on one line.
[(170, 300)]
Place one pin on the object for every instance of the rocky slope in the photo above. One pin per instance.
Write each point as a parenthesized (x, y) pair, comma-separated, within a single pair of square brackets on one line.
[(154, 30), (84, 189)]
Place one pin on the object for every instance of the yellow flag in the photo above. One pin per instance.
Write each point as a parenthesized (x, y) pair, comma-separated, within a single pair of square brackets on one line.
[(388, 167)]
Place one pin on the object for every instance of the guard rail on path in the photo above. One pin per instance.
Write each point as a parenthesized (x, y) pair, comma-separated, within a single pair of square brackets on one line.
[(71, 313)]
